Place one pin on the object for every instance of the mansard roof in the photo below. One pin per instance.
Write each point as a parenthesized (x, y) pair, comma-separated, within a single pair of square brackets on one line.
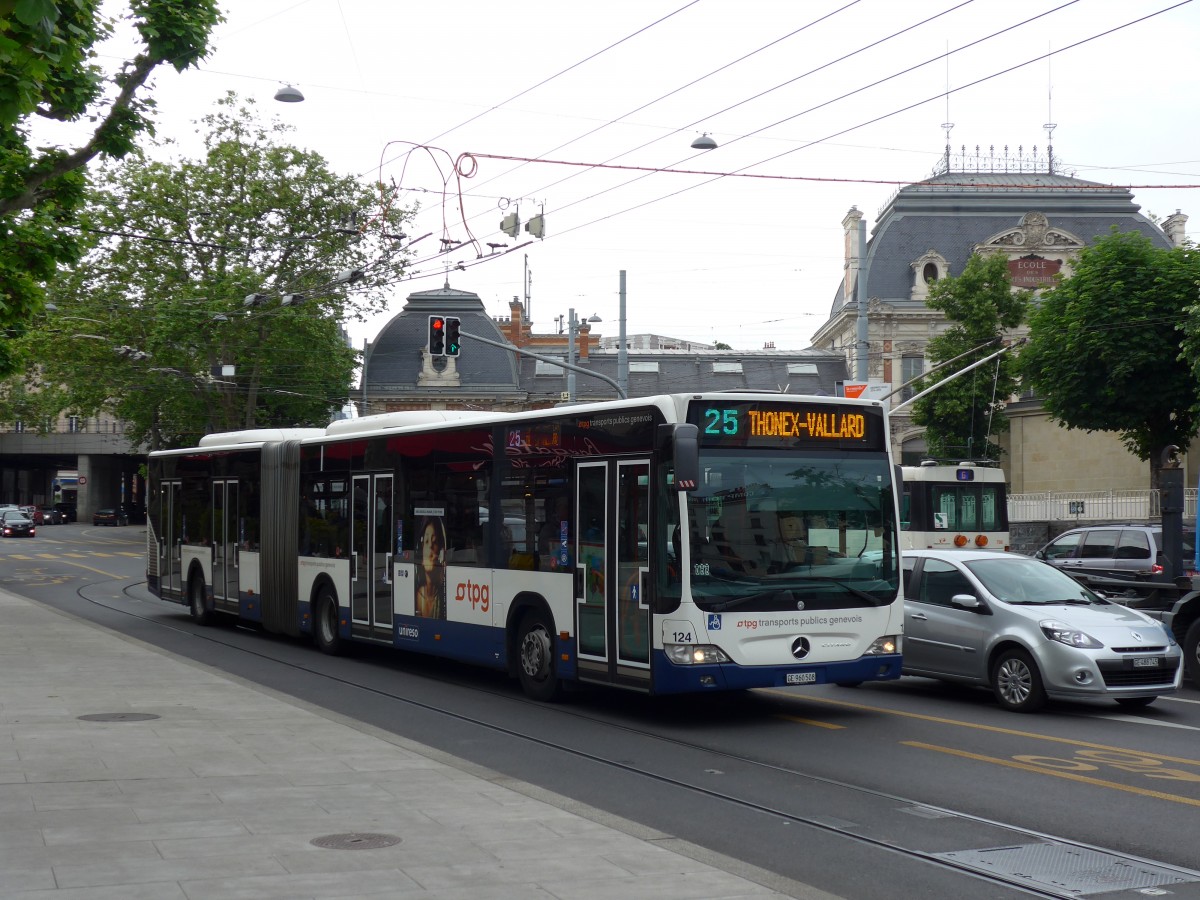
[(953, 212), (394, 358)]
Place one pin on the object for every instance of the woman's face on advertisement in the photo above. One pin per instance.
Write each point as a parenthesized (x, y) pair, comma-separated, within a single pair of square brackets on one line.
[(431, 546)]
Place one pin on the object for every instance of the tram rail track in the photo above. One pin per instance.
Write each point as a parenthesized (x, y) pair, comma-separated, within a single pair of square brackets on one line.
[(775, 811)]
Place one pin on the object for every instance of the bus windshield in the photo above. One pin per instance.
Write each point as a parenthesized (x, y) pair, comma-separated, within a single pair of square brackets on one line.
[(802, 531)]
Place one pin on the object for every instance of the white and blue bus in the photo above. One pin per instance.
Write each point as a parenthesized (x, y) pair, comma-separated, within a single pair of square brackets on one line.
[(947, 507), (667, 544)]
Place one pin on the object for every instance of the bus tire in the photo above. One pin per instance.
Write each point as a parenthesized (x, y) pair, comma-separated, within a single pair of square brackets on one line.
[(325, 623), (535, 658), (200, 612), (1016, 682), (1191, 652)]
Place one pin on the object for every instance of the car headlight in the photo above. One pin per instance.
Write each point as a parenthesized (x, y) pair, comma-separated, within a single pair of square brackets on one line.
[(1072, 637), (694, 654)]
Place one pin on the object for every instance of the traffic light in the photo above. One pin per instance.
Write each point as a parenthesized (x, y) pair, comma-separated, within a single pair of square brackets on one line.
[(510, 224), (453, 342), (537, 226), (437, 336)]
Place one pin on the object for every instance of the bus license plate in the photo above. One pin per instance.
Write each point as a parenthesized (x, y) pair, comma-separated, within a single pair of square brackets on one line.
[(800, 678), (1147, 662)]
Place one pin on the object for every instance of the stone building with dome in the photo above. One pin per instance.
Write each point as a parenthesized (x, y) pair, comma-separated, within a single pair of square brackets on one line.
[(1038, 219), (400, 374)]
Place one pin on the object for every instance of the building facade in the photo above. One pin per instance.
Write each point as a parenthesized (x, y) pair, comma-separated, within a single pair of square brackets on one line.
[(1038, 220)]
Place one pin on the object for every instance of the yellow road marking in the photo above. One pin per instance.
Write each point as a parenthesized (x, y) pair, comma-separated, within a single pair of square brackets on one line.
[(97, 571), (830, 725), (1040, 770), (992, 728)]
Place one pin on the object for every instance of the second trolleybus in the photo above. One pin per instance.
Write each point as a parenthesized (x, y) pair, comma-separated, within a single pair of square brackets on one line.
[(963, 506), (669, 544)]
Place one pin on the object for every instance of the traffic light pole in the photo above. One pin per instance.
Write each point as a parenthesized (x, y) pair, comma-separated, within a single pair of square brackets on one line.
[(546, 359)]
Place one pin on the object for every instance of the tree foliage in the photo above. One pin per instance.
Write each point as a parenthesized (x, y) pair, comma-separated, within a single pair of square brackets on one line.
[(47, 73), (962, 417), (1104, 349), (192, 266)]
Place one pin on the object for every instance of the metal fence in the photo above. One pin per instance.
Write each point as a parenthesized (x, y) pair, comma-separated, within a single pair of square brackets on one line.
[(1093, 506)]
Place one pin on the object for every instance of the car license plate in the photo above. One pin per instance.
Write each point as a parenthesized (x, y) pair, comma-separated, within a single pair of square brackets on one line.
[(800, 678), (1147, 662)]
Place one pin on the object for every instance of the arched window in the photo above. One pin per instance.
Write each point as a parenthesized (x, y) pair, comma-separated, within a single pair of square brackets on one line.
[(929, 274)]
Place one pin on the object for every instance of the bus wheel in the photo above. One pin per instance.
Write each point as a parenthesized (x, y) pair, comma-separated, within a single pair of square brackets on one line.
[(200, 613), (325, 623), (535, 649)]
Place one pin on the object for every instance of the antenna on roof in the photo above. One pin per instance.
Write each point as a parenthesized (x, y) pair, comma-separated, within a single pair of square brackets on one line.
[(1049, 126), (948, 126)]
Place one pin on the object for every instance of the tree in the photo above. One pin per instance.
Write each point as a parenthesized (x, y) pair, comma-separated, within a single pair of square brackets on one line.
[(46, 48), (1104, 350), (198, 265), (961, 418)]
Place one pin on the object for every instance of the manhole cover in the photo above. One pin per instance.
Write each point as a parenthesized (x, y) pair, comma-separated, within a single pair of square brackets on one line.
[(118, 717), (355, 841)]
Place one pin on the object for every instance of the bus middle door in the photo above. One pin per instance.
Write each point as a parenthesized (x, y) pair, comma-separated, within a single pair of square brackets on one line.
[(371, 541), (611, 559)]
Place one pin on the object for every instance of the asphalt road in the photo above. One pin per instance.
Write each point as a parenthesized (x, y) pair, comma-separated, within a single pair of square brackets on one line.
[(863, 792)]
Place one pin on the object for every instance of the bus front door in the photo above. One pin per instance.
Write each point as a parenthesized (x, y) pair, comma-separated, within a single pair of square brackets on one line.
[(612, 505), (371, 547), (226, 576)]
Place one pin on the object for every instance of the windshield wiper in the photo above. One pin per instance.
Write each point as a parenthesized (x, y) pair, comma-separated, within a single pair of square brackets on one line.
[(862, 595), (749, 598)]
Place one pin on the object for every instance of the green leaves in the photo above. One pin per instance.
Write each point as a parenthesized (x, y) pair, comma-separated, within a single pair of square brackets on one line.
[(45, 70), (169, 254), (962, 418), (1105, 352)]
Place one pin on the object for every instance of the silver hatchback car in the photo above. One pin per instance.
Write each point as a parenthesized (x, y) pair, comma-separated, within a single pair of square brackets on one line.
[(1029, 632)]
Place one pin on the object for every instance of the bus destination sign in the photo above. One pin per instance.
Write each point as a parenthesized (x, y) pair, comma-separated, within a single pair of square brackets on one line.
[(747, 423)]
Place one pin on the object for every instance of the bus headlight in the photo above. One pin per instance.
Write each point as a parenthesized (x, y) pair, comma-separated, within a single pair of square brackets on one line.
[(884, 646), (694, 654)]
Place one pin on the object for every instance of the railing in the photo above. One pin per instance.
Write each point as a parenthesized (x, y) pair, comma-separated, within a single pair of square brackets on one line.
[(1093, 506)]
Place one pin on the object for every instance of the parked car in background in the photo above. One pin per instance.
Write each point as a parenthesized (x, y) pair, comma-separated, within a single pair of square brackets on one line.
[(1116, 551), (1029, 632), (110, 516), (52, 516), (34, 514), (14, 523), (68, 510)]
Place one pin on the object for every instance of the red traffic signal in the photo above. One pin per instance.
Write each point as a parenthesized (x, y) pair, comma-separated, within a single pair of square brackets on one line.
[(437, 336)]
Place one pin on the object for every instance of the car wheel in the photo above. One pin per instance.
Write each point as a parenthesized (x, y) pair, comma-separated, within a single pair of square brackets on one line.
[(325, 623), (200, 613), (1191, 652), (1017, 683), (535, 658), (848, 684), (1135, 702)]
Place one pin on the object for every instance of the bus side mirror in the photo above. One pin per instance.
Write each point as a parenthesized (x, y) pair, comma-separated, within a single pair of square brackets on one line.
[(686, 455)]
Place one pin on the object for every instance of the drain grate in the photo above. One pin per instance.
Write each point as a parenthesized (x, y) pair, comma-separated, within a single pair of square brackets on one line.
[(1069, 869), (118, 717), (355, 841)]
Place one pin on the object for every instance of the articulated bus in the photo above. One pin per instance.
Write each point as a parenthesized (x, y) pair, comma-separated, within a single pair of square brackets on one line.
[(961, 506), (671, 544)]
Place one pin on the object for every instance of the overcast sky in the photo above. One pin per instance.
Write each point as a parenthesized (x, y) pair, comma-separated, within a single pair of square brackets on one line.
[(812, 93)]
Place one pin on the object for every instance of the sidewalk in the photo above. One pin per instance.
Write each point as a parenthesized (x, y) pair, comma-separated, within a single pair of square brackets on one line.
[(206, 786)]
